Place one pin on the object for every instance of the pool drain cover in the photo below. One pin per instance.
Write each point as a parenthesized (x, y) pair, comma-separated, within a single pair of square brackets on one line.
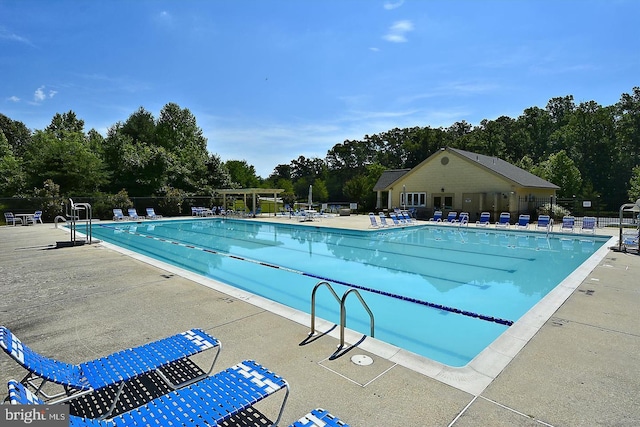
[(361, 360)]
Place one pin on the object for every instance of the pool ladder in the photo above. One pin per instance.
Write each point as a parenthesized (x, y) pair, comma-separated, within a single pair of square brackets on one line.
[(343, 309)]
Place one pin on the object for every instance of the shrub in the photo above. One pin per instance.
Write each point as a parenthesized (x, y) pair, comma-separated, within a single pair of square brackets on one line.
[(556, 212)]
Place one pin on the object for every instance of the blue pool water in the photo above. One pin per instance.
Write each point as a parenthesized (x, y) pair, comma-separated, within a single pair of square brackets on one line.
[(497, 274)]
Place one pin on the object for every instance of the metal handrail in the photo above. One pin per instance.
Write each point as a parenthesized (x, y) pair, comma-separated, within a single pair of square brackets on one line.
[(343, 309), (73, 213), (343, 313), (313, 303)]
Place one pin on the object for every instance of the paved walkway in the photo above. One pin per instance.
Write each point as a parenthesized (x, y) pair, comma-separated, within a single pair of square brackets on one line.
[(580, 369)]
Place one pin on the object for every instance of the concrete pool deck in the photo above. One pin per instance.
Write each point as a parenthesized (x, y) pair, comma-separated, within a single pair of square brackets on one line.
[(580, 368)]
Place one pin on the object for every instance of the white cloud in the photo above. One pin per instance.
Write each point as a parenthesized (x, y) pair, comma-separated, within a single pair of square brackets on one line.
[(7, 35), (13, 99), (397, 32), (39, 95), (391, 6)]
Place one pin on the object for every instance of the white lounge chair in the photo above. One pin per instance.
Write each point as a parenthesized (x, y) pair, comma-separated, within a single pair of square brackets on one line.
[(151, 214), (568, 224), (504, 220), (588, 225), (485, 219), (374, 222), (523, 221), (544, 222)]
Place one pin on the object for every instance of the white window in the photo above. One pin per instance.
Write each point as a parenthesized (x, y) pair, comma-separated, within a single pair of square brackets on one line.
[(413, 199)]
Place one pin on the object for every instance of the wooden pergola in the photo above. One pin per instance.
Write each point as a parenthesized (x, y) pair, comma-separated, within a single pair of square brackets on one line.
[(253, 192)]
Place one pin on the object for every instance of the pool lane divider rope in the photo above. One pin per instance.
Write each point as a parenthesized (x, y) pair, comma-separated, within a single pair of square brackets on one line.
[(340, 282)]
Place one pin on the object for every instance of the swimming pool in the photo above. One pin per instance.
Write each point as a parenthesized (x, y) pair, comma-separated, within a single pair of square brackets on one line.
[(401, 273)]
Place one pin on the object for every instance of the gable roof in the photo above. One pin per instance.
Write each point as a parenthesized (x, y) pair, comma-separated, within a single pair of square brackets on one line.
[(505, 169), (496, 165), (388, 177)]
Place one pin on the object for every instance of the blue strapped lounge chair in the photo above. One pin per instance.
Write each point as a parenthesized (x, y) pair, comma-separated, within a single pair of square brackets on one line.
[(383, 220), (118, 215), (151, 214), (133, 214), (523, 221), (451, 217), (207, 402), (395, 219), (568, 224), (544, 222), (374, 222), (114, 369), (630, 240), (437, 216), (463, 219), (319, 418), (588, 225), (485, 219), (505, 217), (408, 218)]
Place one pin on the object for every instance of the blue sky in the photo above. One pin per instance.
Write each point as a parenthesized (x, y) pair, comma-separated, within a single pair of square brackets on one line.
[(271, 80)]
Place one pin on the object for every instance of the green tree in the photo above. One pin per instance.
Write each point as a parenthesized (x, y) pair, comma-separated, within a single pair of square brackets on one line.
[(66, 123), (17, 134), (67, 161), (634, 184), (178, 133), (217, 174), (135, 165), (357, 189), (562, 171), (12, 178), (242, 173)]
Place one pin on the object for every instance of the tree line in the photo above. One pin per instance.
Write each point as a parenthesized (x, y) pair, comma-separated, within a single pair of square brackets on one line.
[(587, 149)]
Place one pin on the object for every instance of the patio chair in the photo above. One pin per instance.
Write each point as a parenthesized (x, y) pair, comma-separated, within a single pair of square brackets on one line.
[(37, 216), (544, 222), (568, 224), (151, 214), (485, 219), (463, 219), (113, 370), (588, 225), (407, 217), (383, 220), (118, 215), (437, 216), (374, 222), (630, 240), (504, 220), (9, 218), (395, 219), (319, 418), (523, 221), (451, 217), (133, 214), (207, 402)]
